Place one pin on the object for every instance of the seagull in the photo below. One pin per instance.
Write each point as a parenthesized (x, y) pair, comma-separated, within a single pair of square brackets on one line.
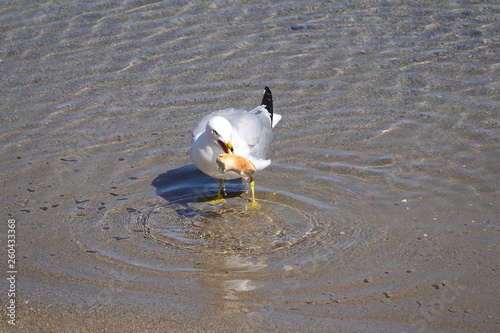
[(242, 133)]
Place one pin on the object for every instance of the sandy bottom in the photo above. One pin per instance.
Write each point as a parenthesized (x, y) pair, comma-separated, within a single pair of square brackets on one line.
[(379, 211)]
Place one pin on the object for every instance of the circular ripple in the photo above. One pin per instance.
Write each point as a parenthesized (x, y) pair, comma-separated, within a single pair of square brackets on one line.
[(229, 227)]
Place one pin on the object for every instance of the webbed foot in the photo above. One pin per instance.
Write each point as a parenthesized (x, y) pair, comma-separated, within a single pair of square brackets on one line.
[(253, 205), (219, 198)]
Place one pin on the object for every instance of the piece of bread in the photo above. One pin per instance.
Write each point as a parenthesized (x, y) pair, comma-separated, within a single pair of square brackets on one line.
[(238, 164)]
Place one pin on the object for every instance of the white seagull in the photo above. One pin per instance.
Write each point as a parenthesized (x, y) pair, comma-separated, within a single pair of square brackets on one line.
[(243, 133)]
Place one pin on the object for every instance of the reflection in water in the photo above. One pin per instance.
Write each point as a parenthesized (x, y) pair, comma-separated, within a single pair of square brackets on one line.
[(232, 286), (221, 278), (382, 194)]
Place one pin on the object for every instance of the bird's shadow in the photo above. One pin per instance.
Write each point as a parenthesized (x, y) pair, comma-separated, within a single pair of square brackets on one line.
[(188, 184)]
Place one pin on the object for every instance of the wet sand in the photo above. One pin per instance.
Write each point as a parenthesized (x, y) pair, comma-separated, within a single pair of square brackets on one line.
[(380, 209)]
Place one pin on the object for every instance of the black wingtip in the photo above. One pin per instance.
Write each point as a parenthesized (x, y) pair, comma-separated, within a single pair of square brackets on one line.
[(267, 101)]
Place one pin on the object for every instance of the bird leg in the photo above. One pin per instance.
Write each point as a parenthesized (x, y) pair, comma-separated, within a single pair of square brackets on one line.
[(253, 204), (219, 199)]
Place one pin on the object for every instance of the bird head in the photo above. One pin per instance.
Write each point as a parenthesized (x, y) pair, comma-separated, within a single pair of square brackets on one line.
[(219, 130)]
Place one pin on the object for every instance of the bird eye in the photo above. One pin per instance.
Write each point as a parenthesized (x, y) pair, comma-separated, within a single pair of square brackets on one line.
[(215, 132)]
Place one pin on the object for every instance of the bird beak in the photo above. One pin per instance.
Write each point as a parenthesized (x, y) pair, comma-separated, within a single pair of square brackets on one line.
[(230, 146), (226, 147)]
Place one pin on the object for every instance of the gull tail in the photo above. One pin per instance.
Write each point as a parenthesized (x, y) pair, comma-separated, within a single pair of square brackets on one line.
[(267, 102)]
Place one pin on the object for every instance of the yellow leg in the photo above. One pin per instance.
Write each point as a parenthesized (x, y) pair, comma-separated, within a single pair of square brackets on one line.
[(219, 198), (253, 204)]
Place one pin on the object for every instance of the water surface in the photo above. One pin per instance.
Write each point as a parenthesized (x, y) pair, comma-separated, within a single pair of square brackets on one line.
[(380, 210)]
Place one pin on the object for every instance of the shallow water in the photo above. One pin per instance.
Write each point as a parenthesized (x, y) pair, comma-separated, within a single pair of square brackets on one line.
[(379, 211)]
